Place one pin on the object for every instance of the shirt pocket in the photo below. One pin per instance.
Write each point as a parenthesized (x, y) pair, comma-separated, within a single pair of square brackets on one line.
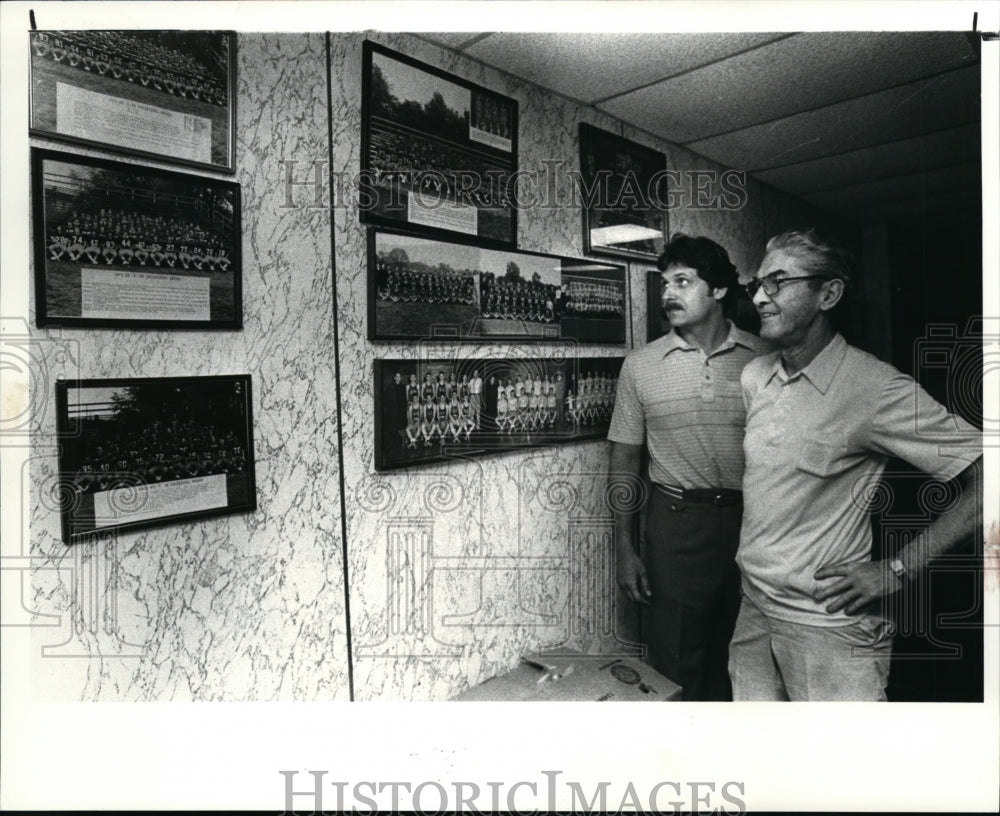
[(820, 457)]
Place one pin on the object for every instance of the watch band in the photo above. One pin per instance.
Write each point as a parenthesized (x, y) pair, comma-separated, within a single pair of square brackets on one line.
[(898, 569)]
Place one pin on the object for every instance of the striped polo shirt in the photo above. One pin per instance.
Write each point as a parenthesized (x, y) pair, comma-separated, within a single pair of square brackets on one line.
[(687, 407)]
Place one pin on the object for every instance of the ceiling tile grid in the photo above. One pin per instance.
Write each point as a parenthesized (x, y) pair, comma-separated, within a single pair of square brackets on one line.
[(893, 158), (947, 100), (856, 122), (592, 67), (763, 84)]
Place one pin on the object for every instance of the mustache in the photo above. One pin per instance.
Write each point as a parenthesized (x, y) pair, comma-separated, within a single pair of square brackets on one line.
[(668, 304)]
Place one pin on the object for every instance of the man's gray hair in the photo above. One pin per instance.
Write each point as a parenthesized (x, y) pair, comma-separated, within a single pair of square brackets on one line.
[(817, 253)]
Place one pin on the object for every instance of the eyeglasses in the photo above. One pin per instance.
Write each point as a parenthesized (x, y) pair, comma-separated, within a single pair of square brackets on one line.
[(771, 283)]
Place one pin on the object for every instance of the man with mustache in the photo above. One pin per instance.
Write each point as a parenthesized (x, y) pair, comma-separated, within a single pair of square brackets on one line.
[(680, 397), (822, 420)]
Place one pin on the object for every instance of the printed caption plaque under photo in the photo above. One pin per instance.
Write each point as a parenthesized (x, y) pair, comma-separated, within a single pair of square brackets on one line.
[(442, 409), (167, 95), (426, 289), (438, 153), (138, 453), (121, 245)]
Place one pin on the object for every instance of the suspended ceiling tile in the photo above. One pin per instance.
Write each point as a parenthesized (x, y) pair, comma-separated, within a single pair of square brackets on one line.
[(947, 100), (938, 149), (961, 177), (590, 67), (760, 85)]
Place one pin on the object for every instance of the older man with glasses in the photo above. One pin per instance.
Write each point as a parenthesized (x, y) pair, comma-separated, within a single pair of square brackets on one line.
[(823, 418)]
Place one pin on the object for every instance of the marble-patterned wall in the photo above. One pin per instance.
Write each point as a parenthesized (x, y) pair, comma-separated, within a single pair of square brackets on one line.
[(242, 607)]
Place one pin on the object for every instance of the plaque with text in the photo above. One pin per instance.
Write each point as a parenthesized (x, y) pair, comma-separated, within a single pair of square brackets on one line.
[(162, 94), (138, 453), (121, 245)]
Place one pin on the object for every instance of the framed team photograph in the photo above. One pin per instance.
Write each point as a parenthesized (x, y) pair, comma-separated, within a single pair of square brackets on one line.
[(423, 288), (138, 453), (438, 153), (621, 185), (121, 245), (430, 411), (168, 95)]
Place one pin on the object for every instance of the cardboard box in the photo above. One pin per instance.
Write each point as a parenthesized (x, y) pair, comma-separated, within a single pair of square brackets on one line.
[(562, 674)]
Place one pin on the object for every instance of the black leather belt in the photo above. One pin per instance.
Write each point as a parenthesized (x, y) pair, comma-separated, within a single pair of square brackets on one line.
[(719, 496)]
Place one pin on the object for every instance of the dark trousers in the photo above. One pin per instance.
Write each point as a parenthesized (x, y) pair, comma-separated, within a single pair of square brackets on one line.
[(690, 559)]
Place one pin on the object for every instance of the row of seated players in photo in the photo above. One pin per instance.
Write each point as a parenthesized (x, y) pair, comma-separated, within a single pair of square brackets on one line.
[(436, 169), (446, 410), (139, 60), (455, 421), (154, 254), (514, 307), (570, 300), (132, 461), (592, 298), (398, 283), (501, 298), (511, 386), (123, 238), (519, 299)]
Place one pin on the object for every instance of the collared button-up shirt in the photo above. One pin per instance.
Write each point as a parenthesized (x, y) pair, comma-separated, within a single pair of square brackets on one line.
[(687, 407), (816, 445)]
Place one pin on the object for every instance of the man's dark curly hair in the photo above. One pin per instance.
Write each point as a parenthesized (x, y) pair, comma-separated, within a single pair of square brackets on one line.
[(707, 258)]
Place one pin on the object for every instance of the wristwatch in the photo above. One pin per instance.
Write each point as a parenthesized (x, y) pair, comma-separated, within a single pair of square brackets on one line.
[(898, 569)]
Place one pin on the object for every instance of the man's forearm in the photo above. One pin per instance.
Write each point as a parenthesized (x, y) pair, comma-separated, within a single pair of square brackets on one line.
[(624, 532), (625, 491), (948, 529)]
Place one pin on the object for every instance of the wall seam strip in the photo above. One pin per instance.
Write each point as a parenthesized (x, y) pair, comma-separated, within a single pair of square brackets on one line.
[(337, 384)]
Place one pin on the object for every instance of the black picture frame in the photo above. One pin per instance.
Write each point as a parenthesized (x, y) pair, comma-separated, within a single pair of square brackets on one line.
[(160, 94), (138, 453), (422, 288), (489, 431), (128, 246), (438, 153), (657, 320), (623, 188)]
